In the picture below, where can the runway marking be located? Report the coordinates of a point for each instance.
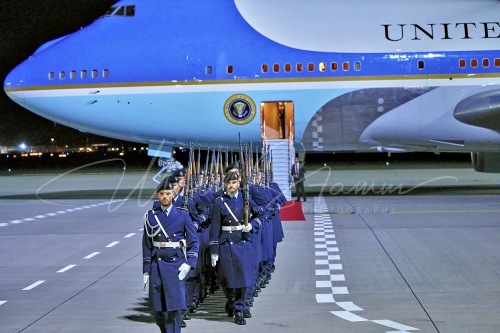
(36, 284)
(3, 302)
(324, 233)
(130, 235)
(348, 316)
(112, 244)
(91, 255)
(66, 268)
(60, 212)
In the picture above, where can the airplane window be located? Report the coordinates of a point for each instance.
(310, 67)
(110, 11)
(288, 68)
(497, 62)
(208, 70)
(461, 63)
(421, 64)
(83, 74)
(473, 63)
(486, 62)
(265, 68)
(62, 75)
(276, 68)
(322, 67)
(334, 66)
(130, 11)
(72, 74)
(51, 75)
(298, 67)
(94, 73)
(120, 12)
(229, 69)
(357, 65)
(105, 73)
(345, 65)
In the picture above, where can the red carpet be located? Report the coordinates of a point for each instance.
(292, 211)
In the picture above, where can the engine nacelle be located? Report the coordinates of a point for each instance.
(486, 162)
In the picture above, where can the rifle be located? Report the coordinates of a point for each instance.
(197, 171)
(244, 187)
(205, 171)
(188, 182)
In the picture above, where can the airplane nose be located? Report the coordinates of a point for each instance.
(14, 84)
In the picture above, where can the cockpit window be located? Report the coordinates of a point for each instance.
(121, 11)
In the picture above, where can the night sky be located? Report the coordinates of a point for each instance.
(24, 26)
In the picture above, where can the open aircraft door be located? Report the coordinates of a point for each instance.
(277, 120)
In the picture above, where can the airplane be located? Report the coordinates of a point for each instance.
(328, 75)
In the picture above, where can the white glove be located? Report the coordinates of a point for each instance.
(246, 228)
(183, 270)
(146, 281)
(215, 258)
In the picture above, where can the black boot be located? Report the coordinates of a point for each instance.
(247, 314)
(186, 315)
(229, 309)
(238, 318)
(183, 324)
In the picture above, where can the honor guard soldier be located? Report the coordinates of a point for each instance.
(231, 248)
(169, 250)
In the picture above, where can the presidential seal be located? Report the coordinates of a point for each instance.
(239, 109)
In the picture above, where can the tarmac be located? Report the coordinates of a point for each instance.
(421, 258)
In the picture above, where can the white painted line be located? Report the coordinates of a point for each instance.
(66, 268)
(94, 205)
(130, 235)
(322, 262)
(320, 239)
(78, 208)
(320, 246)
(324, 298)
(70, 210)
(86, 207)
(348, 316)
(319, 233)
(40, 216)
(2, 302)
(349, 306)
(331, 242)
(392, 324)
(28, 219)
(34, 285)
(61, 212)
(16, 221)
(112, 244)
(334, 257)
(335, 266)
(141, 230)
(329, 236)
(323, 284)
(340, 291)
(3, 224)
(91, 255)
(51, 214)
(322, 272)
(333, 249)
(320, 253)
(337, 277)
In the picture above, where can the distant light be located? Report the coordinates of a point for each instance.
(22, 146)
(386, 163)
(324, 164)
(10, 170)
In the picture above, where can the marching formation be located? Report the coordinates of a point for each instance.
(211, 228)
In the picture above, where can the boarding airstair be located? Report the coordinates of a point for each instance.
(283, 153)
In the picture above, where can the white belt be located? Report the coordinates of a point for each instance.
(167, 244)
(232, 228)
